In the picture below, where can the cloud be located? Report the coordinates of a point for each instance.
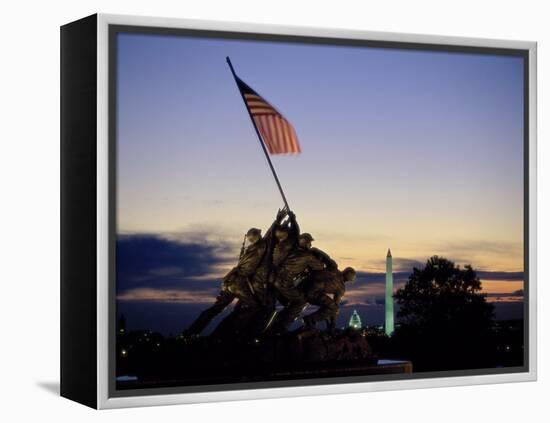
(499, 276)
(180, 296)
(485, 246)
(154, 261)
(405, 265)
(518, 293)
(167, 271)
(502, 299)
(379, 277)
(511, 297)
(365, 301)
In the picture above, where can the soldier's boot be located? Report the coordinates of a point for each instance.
(223, 299)
(291, 312)
(293, 301)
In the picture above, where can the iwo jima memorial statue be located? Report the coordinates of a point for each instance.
(278, 275)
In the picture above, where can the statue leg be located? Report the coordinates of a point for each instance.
(265, 295)
(331, 322)
(238, 325)
(223, 299)
(294, 304)
(327, 310)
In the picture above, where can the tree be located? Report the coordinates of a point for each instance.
(445, 321)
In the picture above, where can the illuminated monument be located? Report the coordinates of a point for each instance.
(355, 320)
(389, 326)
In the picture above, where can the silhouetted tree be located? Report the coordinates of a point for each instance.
(445, 320)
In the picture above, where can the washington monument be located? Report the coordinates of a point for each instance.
(388, 327)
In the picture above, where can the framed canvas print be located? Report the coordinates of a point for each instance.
(253, 211)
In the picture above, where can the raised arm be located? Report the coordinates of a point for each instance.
(294, 227)
(281, 214)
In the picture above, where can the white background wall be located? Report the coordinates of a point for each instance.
(29, 178)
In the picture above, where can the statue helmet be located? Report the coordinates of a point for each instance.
(254, 232)
(349, 270)
(306, 237)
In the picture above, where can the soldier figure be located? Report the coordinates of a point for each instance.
(289, 264)
(260, 280)
(304, 242)
(286, 239)
(236, 284)
(325, 289)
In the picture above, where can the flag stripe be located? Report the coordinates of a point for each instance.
(277, 133)
(280, 130)
(284, 136)
(272, 133)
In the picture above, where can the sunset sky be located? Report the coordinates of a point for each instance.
(418, 151)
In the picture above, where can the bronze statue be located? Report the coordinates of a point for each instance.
(280, 266)
(325, 288)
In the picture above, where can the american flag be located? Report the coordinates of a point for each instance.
(277, 133)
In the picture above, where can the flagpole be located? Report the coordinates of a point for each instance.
(258, 134)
